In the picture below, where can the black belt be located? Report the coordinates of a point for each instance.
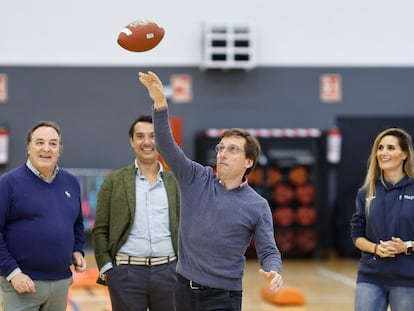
(191, 284)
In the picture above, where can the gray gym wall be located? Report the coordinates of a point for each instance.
(95, 106)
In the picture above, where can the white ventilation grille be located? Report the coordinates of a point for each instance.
(228, 45)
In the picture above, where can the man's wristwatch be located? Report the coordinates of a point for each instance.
(409, 247)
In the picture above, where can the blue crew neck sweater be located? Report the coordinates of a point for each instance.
(41, 224)
(216, 224)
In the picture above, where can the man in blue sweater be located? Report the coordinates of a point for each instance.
(41, 227)
(220, 214)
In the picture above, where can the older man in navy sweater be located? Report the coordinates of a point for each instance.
(41, 227)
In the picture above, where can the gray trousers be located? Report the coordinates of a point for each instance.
(49, 296)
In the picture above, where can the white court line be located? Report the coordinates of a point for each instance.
(337, 277)
(87, 298)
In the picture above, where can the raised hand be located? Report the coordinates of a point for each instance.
(155, 88)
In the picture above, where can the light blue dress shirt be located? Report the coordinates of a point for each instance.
(150, 235)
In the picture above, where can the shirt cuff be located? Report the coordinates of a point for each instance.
(108, 266)
(13, 274)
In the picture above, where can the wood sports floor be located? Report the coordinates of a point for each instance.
(327, 285)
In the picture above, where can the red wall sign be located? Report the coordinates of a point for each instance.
(331, 88)
(181, 88)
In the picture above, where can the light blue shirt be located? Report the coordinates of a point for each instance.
(38, 174)
(150, 235)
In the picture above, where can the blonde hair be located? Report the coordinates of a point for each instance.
(374, 173)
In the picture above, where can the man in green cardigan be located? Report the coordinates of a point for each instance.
(136, 228)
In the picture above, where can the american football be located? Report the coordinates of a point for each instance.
(140, 36)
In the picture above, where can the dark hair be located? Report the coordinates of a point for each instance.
(251, 146)
(142, 118)
(51, 124)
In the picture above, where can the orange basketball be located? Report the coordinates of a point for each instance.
(282, 194)
(305, 215)
(298, 175)
(305, 194)
(283, 216)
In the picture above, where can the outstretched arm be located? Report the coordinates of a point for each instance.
(155, 88)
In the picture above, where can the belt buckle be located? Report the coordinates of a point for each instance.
(148, 261)
(193, 286)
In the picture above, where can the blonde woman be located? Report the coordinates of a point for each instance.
(383, 226)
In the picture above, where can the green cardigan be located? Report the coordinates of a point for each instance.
(116, 209)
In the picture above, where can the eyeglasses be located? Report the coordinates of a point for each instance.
(230, 149)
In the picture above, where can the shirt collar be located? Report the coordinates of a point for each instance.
(138, 173)
(243, 183)
(38, 174)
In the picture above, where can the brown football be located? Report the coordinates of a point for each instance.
(140, 36)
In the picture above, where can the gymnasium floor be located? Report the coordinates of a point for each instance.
(326, 284)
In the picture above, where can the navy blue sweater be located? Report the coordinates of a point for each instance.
(41, 224)
(391, 215)
(216, 224)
